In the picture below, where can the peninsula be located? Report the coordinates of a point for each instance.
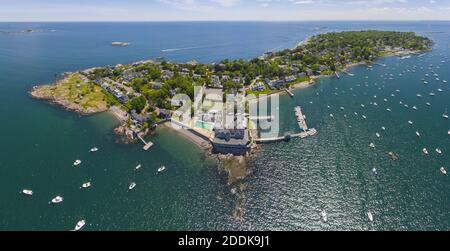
(140, 93)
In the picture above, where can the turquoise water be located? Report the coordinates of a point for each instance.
(291, 183)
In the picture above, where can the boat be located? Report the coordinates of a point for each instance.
(372, 145)
(410, 122)
(161, 169)
(77, 162)
(79, 225)
(378, 135)
(445, 115)
(444, 81)
(324, 216)
(94, 149)
(440, 90)
(364, 116)
(443, 171)
(418, 134)
(27, 192)
(374, 170)
(439, 151)
(432, 94)
(425, 151)
(57, 200)
(383, 128)
(132, 186)
(393, 156)
(331, 115)
(86, 185)
(138, 167)
(370, 216)
(415, 108)
(448, 132)
(428, 104)
(120, 44)
(389, 110)
(419, 95)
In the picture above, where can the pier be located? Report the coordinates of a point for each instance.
(348, 73)
(302, 135)
(289, 92)
(147, 145)
(337, 74)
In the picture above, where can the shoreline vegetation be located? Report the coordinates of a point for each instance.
(139, 94)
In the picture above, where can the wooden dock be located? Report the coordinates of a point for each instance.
(147, 145)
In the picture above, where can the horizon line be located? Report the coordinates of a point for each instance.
(237, 20)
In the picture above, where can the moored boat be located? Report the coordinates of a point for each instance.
(79, 225)
(77, 162)
(57, 200)
(161, 169)
(132, 186)
(27, 192)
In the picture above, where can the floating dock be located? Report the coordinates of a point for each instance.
(301, 119)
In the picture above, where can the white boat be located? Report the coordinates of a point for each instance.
(425, 151)
(432, 94)
(410, 122)
(138, 167)
(374, 170)
(419, 95)
(86, 185)
(57, 200)
(439, 151)
(94, 149)
(389, 110)
(77, 162)
(370, 216)
(324, 216)
(372, 145)
(415, 108)
(27, 192)
(364, 116)
(448, 132)
(444, 81)
(161, 169)
(383, 128)
(132, 186)
(440, 90)
(428, 104)
(418, 134)
(445, 115)
(79, 225)
(443, 171)
(331, 115)
(378, 135)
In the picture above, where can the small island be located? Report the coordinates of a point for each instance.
(140, 93)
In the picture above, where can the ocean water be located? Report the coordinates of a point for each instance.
(291, 182)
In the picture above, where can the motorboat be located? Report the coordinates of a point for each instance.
(77, 162)
(94, 149)
(443, 171)
(383, 128)
(161, 169)
(439, 151)
(27, 192)
(372, 145)
(86, 185)
(57, 200)
(378, 135)
(418, 134)
(132, 186)
(370, 216)
(410, 122)
(79, 225)
(374, 170)
(324, 216)
(138, 167)
(425, 151)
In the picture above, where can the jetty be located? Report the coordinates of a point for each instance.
(147, 145)
(301, 119)
(348, 73)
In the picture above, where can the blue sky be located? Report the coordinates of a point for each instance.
(265, 10)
